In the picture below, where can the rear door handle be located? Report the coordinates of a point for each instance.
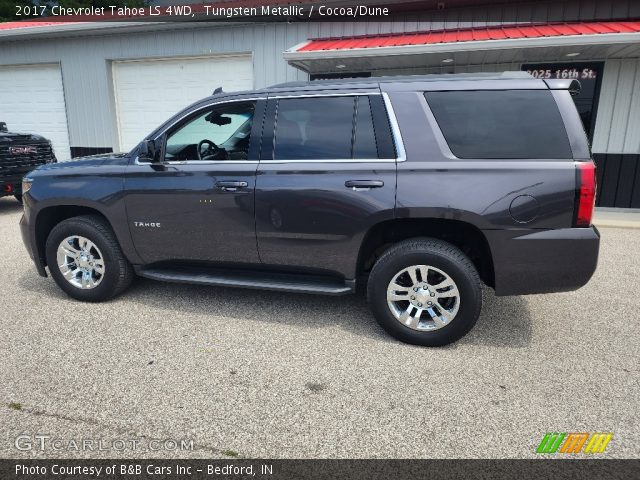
(356, 184)
(231, 185)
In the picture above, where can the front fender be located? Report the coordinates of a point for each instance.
(53, 198)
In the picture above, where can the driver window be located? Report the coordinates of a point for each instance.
(219, 133)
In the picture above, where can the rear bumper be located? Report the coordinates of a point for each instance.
(543, 261)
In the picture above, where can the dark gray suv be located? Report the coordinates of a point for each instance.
(419, 188)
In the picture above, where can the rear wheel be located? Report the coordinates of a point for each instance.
(18, 198)
(86, 261)
(425, 292)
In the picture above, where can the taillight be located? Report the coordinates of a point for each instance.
(585, 193)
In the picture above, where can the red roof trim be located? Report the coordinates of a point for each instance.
(471, 34)
(23, 24)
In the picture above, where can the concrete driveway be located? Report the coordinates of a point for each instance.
(262, 374)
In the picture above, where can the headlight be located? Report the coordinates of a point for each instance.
(26, 184)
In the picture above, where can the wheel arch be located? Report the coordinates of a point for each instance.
(48, 217)
(463, 235)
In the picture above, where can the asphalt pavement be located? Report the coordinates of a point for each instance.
(243, 373)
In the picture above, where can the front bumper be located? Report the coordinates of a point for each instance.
(543, 261)
(28, 238)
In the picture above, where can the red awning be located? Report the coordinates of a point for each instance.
(502, 32)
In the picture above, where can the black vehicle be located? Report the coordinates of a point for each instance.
(19, 154)
(420, 188)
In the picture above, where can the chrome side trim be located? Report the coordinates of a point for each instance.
(335, 160)
(199, 162)
(255, 162)
(211, 162)
(395, 129)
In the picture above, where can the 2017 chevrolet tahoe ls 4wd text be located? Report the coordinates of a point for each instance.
(419, 187)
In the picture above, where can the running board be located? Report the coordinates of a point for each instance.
(282, 282)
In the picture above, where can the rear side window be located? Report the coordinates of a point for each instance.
(500, 124)
(331, 128)
(314, 128)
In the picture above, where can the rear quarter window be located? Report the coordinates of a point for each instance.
(510, 124)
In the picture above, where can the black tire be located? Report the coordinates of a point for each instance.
(441, 255)
(18, 198)
(118, 272)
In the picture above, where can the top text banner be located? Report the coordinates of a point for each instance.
(439, 14)
(233, 11)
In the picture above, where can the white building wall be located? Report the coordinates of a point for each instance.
(86, 65)
(618, 118)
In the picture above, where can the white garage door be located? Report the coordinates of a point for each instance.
(149, 92)
(32, 101)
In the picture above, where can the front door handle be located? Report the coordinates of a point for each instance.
(358, 184)
(231, 185)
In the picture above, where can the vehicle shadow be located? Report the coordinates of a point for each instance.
(505, 322)
(9, 205)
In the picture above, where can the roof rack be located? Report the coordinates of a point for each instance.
(506, 75)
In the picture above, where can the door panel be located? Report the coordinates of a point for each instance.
(307, 217)
(198, 220)
(198, 203)
(314, 200)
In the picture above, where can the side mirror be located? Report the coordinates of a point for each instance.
(3, 127)
(147, 152)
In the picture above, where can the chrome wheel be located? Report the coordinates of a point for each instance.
(423, 297)
(81, 262)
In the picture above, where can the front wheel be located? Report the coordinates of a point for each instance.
(425, 292)
(85, 259)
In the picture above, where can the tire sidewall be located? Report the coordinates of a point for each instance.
(467, 283)
(110, 279)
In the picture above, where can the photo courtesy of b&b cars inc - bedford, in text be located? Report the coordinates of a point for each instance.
(299, 239)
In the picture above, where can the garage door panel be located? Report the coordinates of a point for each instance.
(151, 91)
(32, 101)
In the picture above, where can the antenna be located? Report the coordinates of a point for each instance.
(217, 91)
